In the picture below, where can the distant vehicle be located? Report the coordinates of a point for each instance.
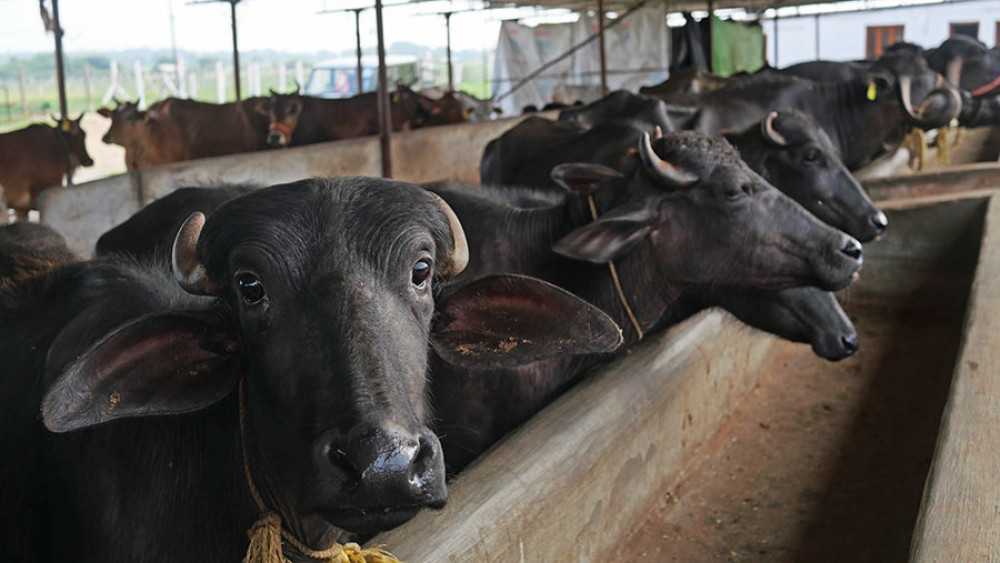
(338, 78)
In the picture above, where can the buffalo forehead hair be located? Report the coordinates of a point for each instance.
(303, 219)
(697, 151)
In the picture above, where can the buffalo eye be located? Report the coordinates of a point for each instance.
(421, 272)
(812, 156)
(250, 287)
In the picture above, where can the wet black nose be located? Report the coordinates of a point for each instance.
(387, 464)
(852, 248)
(880, 221)
(273, 139)
(850, 343)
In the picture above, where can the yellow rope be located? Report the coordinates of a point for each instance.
(266, 534)
(616, 280)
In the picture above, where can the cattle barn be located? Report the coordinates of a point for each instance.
(500, 280)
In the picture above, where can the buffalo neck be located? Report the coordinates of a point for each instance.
(518, 240)
(859, 128)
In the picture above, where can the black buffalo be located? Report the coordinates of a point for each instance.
(149, 234)
(792, 152)
(863, 117)
(967, 63)
(292, 345)
(690, 213)
(647, 111)
(29, 250)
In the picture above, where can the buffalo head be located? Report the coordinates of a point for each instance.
(324, 311)
(705, 217)
(800, 159)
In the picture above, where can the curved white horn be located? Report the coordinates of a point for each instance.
(189, 272)
(459, 257)
(770, 133)
(669, 173)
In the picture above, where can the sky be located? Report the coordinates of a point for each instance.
(283, 25)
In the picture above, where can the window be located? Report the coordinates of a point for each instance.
(996, 37)
(969, 29)
(880, 37)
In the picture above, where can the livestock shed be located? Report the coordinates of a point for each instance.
(701, 303)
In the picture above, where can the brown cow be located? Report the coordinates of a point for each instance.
(304, 120)
(174, 130)
(128, 130)
(37, 157)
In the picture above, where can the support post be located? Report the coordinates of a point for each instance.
(817, 37)
(601, 45)
(711, 19)
(777, 64)
(451, 70)
(357, 51)
(236, 48)
(384, 108)
(60, 68)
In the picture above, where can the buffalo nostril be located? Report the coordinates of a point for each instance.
(852, 248)
(880, 221)
(850, 343)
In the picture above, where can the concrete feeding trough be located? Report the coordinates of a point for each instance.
(665, 453)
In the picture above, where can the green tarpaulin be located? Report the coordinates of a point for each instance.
(736, 47)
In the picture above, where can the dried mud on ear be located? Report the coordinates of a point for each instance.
(508, 321)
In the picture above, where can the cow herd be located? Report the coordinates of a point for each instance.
(326, 353)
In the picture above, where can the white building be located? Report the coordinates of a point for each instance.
(856, 34)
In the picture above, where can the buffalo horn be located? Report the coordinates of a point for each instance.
(770, 133)
(189, 272)
(459, 257)
(667, 172)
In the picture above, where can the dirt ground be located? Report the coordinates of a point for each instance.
(822, 462)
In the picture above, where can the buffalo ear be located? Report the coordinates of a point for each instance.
(160, 364)
(582, 177)
(611, 236)
(510, 320)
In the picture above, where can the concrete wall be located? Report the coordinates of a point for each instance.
(842, 36)
(84, 212)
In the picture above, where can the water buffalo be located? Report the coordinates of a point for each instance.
(862, 117)
(647, 111)
(149, 234)
(38, 157)
(690, 213)
(787, 148)
(792, 152)
(802, 314)
(967, 63)
(295, 120)
(290, 353)
(30, 250)
(526, 153)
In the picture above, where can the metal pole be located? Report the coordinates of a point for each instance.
(60, 69)
(711, 50)
(357, 46)
(236, 48)
(817, 37)
(776, 63)
(451, 72)
(384, 109)
(604, 54)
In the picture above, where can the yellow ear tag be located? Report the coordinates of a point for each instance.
(872, 91)
(67, 126)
